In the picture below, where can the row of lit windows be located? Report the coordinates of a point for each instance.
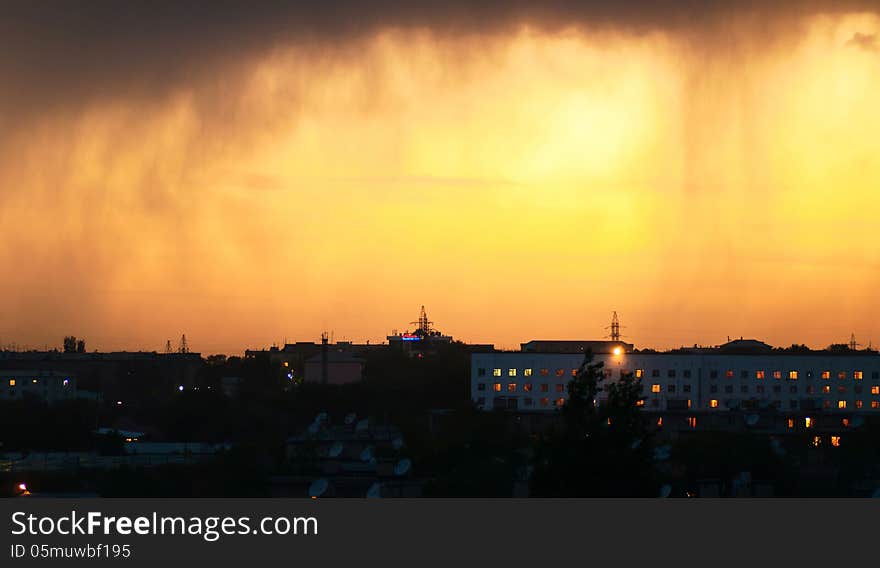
(527, 387)
(686, 373)
(826, 404)
(525, 372)
(14, 382)
(810, 389)
(791, 375)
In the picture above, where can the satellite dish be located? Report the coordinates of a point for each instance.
(403, 467)
(335, 450)
(318, 488)
(752, 419)
(665, 491)
(397, 443)
(858, 421)
(362, 425)
(375, 491)
(367, 454)
(350, 418)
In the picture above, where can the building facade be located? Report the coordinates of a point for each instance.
(702, 380)
(48, 386)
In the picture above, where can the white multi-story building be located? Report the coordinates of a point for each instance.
(741, 375)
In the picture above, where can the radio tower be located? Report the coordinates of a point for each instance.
(424, 325)
(852, 342)
(184, 348)
(615, 327)
(168, 347)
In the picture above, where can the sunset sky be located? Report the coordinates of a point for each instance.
(250, 174)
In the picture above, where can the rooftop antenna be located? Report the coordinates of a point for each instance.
(168, 348)
(424, 326)
(184, 348)
(614, 327)
(852, 342)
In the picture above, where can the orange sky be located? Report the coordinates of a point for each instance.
(521, 185)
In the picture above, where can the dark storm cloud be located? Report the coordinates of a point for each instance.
(60, 52)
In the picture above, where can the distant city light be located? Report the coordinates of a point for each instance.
(22, 487)
(66, 382)
(180, 388)
(118, 403)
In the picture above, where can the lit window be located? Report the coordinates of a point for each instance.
(560, 372)
(286, 364)
(875, 404)
(692, 421)
(511, 372)
(660, 421)
(874, 389)
(545, 372)
(560, 401)
(496, 372)
(858, 404)
(496, 387)
(777, 374)
(729, 374)
(790, 423)
(689, 403)
(527, 387)
(545, 402)
(845, 422)
(826, 375)
(857, 375)
(713, 403)
(817, 441)
(655, 388)
(560, 388)
(808, 422)
(640, 373)
(34, 381)
(574, 373)
(841, 375)
(12, 383)
(826, 389)
(527, 372)
(511, 387)
(793, 375)
(841, 404)
(640, 402)
(835, 441)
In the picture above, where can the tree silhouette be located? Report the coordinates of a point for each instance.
(601, 450)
